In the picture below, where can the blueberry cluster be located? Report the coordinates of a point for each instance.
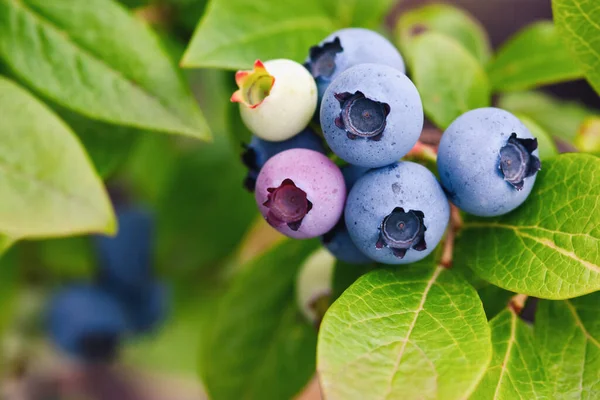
(375, 207)
(89, 321)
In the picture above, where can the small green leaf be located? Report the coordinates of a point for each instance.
(546, 145)
(534, 57)
(260, 346)
(588, 136)
(48, 185)
(577, 23)
(568, 336)
(516, 370)
(447, 20)
(559, 118)
(353, 13)
(550, 246)
(450, 80)
(234, 33)
(74, 53)
(416, 332)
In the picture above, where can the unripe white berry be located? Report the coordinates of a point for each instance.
(314, 285)
(277, 99)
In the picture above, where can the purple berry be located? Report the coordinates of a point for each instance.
(259, 151)
(301, 193)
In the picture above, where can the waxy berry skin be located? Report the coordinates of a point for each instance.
(125, 260)
(346, 48)
(337, 241)
(87, 323)
(301, 193)
(487, 162)
(259, 151)
(397, 214)
(371, 115)
(277, 99)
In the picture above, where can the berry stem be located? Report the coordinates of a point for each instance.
(448, 250)
(423, 152)
(454, 226)
(517, 303)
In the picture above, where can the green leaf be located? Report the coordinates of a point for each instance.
(353, 13)
(447, 20)
(534, 57)
(415, 332)
(568, 336)
(577, 23)
(546, 145)
(559, 118)
(48, 185)
(234, 33)
(74, 53)
(450, 80)
(269, 349)
(588, 135)
(550, 246)
(516, 370)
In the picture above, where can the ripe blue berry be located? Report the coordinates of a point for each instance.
(397, 214)
(259, 151)
(146, 307)
(125, 260)
(371, 115)
(338, 240)
(346, 48)
(487, 162)
(277, 99)
(86, 323)
(301, 193)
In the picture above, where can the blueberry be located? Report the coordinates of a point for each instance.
(277, 99)
(346, 48)
(259, 151)
(487, 162)
(146, 307)
(338, 240)
(301, 193)
(353, 173)
(86, 323)
(371, 115)
(125, 260)
(397, 214)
